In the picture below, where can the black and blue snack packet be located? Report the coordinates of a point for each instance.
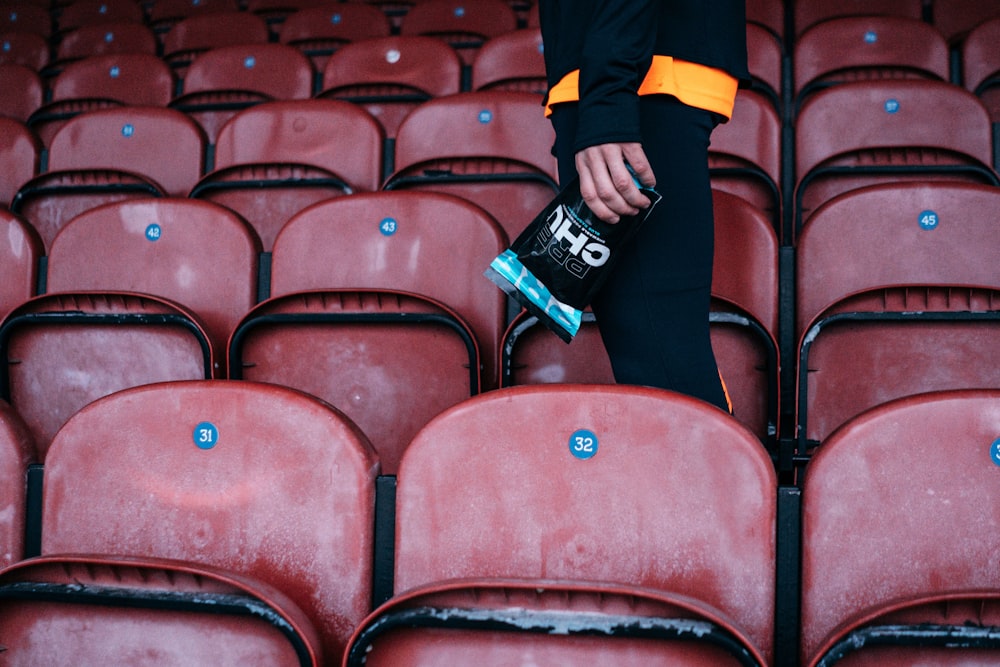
(559, 262)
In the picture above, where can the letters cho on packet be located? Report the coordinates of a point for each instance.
(559, 262)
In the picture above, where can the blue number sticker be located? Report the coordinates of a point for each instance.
(891, 106)
(485, 116)
(459, 12)
(128, 130)
(995, 451)
(583, 444)
(6, 46)
(871, 37)
(153, 232)
(249, 62)
(205, 435)
(115, 72)
(388, 226)
(109, 37)
(335, 19)
(928, 220)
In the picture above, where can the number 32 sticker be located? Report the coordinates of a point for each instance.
(583, 444)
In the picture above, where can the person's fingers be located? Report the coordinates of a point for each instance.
(606, 184)
(637, 159)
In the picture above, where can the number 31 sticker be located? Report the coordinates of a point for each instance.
(583, 444)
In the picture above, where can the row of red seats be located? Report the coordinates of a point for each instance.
(567, 524)
(369, 299)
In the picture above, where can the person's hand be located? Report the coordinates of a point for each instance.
(606, 184)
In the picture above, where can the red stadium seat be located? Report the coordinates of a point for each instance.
(912, 484)
(102, 38)
(492, 148)
(24, 92)
(103, 81)
(20, 250)
(99, 610)
(17, 451)
(599, 486)
(79, 13)
(224, 80)
(765, 59)
(364, 251)
(254, 479)
(25, 17)
(464, 25)
(165, 14)
(275, 159)
(897, 295)
(200, 32)
(20, 155)
(24, 48)
(861, 48)
(768, 14)
(320, 31)
(109, 155)
(866, 132)
(955, 18)
(744, 157)
(981, 66)
(391, 76)
(511, 61)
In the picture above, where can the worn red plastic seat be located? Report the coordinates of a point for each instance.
(956, 18)
(490, 147)
(511, 61)
(99, 610)
(744, 157)
(857, 48)
(391, 76)
(20, 251)
(380, 308)
(274, 159)
(589, 489)
(27, 18)
(912, 484)
(103, 38)
(20, 157)
(110, 155)
(258, 480)
(226, 79)
(101, 81)
(25, 91)
(898, 294)
(24, 48)
(78, 13)
(195, 34)
(981, 66)
(17, 452)
(866, 132)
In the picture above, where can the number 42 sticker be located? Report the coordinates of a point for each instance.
(583, 444)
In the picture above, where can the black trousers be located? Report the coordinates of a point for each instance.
(653, 310)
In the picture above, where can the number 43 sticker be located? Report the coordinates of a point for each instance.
(583, 444)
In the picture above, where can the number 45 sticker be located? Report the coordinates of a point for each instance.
(583, 444)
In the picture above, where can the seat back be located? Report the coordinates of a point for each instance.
(26, 17)
(111, 154)
(592, 483)
(744, 156)
(78, 13)
(255, 479)
(429, 244)
(17, 451)
(102, 39)
(25, 91)
(225, 79)
(511, 61)
(981, 66)
(868, 47)
(20, 156)
(956, 18)
(866, 132)
(360, 351)
(24, 48)
(896, 286)
(390, 76)
(198, 33)
(274, 159)
(97, 609)
(926, 537)
(491, 147)
(20, 251)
